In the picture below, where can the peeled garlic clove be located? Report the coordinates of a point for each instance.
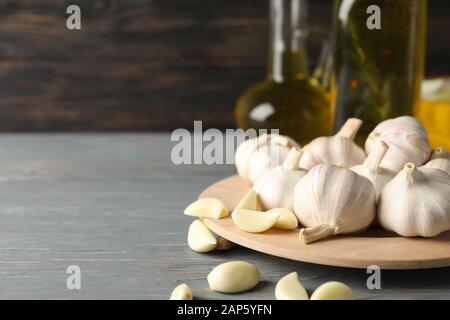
(200, 239)
(182, 292)
(407, 140)
(275, 188)
(290, 288)
(250, 201)
(372, 169)
(333, 290)
(416, 202)
(233, 277)
(254, 221)
(330, 200)
(224, 244)
(207, 208)
(439, 163)
(440, 153)
(339, 149)
(287, 219)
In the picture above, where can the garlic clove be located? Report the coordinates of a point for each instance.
(275, 188)
(439, 163)
(182, 292)
(407, 140)
(207, 208)
(339, 149)
(416, 202)
(333, 290)
(290, 288)
(372, 169)
(233, 277)
(254, 221)
(287, 219)
(250, 201)
(200, 239)
(330, 200)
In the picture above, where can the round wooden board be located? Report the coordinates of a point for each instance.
(374, 247)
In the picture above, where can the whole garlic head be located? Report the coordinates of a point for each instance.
(407, 140)
(439, 163)
(339, 149)
(440, 153)
(330, 200)
(275, 188)
(416, 202)
(258, 155)
(372, 169)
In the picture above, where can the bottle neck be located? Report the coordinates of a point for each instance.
(287, 55)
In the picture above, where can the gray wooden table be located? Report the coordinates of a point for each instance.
(112, 205)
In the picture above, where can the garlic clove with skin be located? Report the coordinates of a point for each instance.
(255, 156)
(330, 200)
(416, 202)
(275, 188)
(372, 169)
(339, 149)
(407, 140)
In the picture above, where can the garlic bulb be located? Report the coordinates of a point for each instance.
(407, 140)
(330, 200)
(416, 202)
(339, 149)
(439, 163)
(258, 155)
(275, 188)
(440, 153)
(372, 170)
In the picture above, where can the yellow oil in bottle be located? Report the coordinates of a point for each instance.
(434, 111)
(288, 100)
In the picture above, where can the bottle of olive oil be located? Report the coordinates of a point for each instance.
(288, 100)
(379, 51)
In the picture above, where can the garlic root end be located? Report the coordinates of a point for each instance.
(309, 235)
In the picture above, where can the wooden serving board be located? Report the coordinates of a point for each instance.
(373, 247)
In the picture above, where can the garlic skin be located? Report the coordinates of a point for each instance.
(372, 169)
(339, 149)
(330, 200)
(416, 202)
(275, 188)
(407, 140)
(256, 156)
(439, 163)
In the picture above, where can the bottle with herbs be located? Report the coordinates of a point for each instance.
(289, 99)
(378, 71)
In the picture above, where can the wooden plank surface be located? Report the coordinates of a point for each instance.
(112, 205)
(145, 64)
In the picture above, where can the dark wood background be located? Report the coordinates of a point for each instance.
(145, 65)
